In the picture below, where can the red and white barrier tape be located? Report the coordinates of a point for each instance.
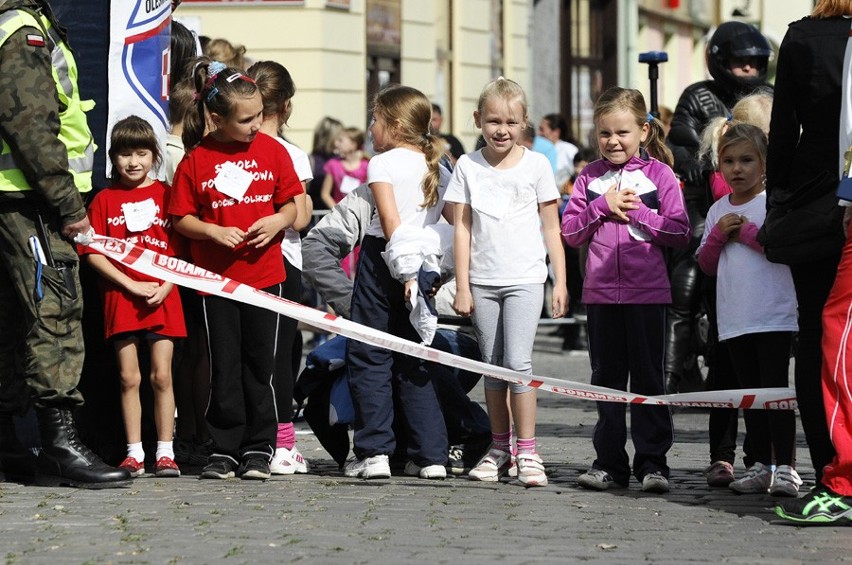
(180, 272)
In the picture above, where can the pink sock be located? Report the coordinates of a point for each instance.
(526, 445)
(501, 441)
(286, 436)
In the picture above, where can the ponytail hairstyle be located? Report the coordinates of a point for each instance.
(618, 99)
(216, 89)
(745, 134)
(408, 115)
(708, 149)
(276, 88)
(129, 134)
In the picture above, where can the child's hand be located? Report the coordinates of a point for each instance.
(263, 230)
(228, 236)
(142, 289)
(730, 225)
(559, 301)
(620, 201)
(463, 303)
(160, 294)
(410, 286)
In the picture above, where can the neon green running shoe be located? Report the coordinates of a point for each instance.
(820, 507)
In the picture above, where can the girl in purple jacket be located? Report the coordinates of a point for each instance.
(628, 208)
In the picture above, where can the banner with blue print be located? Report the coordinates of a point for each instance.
(139, 54)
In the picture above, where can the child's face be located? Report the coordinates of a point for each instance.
(133, 166)
(742, 168)
(343, 145)
(619, 136)
(381, 134)
(548, 132)
(243, 123)
(502, 122)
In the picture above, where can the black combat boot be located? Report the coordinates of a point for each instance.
(17, 463)
(65, 460)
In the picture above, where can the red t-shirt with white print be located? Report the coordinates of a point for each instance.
(273, 183)
(124, 312)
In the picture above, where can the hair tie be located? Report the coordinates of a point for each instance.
(196, 96)
(730, 117)
(216, 67)
(649, 118)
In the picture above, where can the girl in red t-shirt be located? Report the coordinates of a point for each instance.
(137, 306)
(233, 198)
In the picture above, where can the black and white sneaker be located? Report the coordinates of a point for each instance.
(255, 469)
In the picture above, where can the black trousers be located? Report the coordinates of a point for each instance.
(762, 360)
(288, 356)
(627, 342)
(813, 282)
(241, 413)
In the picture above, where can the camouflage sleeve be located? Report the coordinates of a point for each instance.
(29, 123)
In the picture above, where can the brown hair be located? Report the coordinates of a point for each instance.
(617, 99)
(324, 134)
(408, 115)
(276, 87)
(223, 50)
(216, 92)
(356, 135)
(832, 8)
(129, 134)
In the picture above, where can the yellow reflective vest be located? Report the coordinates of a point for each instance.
(74, 131)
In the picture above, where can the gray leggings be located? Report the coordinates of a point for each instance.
(506, 321)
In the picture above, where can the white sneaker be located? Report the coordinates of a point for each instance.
(375, 467)
(785, 482)
(491, 467)
(412, 469)
(287, 462)
(531, 470)
(756, 480)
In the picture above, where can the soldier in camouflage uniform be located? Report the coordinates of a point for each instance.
(41, 338)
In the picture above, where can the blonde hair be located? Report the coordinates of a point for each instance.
(755, 109)
(745, 134)
(832, 8)
(506, 89)
(408, 115)
(618, 99)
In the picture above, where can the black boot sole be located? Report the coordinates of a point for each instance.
(54, 481)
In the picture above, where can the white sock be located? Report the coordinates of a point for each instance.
(135, 450)
(165, 449)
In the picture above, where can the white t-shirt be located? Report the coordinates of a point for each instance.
(565, 153)
(291, 245)
(506, 246)
(404, 169)
(752, 294)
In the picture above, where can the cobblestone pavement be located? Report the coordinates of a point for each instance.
(324, 517)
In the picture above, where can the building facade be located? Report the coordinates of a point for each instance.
(563, 52)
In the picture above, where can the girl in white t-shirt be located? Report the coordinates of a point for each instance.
(405, 181)
(755, 307)
(277, 89)
(505, 218)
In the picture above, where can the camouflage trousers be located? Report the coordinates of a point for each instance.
(41, 336)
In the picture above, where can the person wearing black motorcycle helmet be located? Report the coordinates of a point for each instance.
(737, 57)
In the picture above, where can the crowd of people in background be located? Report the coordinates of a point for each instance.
(661, 230)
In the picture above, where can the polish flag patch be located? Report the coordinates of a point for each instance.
(36, 40)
